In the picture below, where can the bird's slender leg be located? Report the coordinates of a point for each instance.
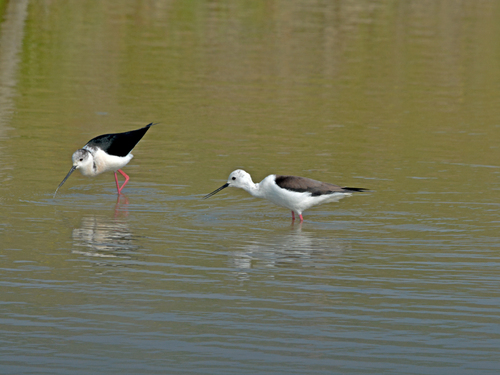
(125, 183)
(293, 216)
(301, 218)
(117, 184)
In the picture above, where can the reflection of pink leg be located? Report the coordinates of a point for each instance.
(121, 207)
(125, 183)
(293, 216)
(120, 198)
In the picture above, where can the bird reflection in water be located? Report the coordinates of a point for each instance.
(121, 206)
(290, 249)
(105, 237)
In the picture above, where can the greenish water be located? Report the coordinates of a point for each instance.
(397, 97)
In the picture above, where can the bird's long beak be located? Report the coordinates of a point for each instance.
(215, 191)
(65, 178)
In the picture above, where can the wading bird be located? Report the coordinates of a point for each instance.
(295, 193)
(107, 152)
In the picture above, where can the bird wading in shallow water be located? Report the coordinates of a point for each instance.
(107, 152)
(295, 193)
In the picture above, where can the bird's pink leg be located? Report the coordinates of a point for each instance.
(117, 184)
(125, 183)
(293, 216)
(301, 218)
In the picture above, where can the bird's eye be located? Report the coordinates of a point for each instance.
(234, 178)
(81, 159)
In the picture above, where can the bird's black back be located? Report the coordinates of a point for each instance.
(119, 144)
(316, 188)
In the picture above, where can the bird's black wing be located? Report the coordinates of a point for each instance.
(316, 188)
(119, 144)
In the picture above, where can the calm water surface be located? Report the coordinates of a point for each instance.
(398, 97)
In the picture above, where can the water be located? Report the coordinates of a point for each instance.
(400, 98)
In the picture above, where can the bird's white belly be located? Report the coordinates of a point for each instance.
(103, 163)
(300, 202)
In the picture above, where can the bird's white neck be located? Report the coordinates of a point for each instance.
(253, 189)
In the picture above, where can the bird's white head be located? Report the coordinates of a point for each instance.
(240, 179)
(83, 159)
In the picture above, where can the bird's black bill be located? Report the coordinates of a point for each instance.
(65, 178)
(216, 191)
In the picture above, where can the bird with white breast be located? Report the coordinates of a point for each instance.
(295, 193)
(107, 152)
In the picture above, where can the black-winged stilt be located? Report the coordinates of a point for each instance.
(295, 193)
(107, 152)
